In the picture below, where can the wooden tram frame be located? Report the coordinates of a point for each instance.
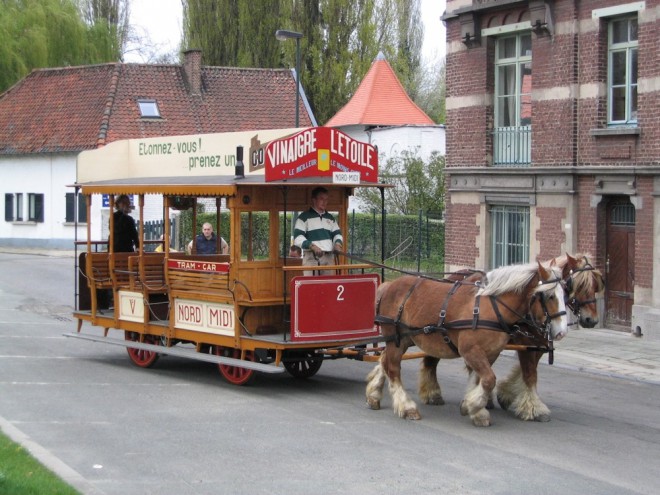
(257, 298)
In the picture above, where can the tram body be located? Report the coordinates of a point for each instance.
(252, 309)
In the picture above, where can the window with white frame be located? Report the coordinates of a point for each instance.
(71, 205)
(513, 100)
(509, 234)
(622, 71)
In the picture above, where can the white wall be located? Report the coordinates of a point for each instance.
(393, 140)
(50, 175)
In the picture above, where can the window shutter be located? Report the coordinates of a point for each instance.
(9, 207)
(69, 214)
(82, 208)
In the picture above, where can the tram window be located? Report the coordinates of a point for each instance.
(255, 235)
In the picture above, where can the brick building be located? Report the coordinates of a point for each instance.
(553, 142)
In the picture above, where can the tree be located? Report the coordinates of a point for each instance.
(49, 33)
(418, 185)
(341, 38)
(432, 89)
(109, 21)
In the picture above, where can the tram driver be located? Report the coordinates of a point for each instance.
(317, 233)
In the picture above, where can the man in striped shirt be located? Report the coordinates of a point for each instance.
(317, 234)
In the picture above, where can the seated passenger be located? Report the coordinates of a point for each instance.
(207, 241)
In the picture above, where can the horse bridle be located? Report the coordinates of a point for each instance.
(573, 302)
(546, 312)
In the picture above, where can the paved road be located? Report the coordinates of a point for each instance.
(111, 428)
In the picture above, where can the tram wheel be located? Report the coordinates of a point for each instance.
(142, 358)
(234, 374)
(303, 364)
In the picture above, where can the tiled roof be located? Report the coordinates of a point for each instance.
(78, 108)
(380, 100)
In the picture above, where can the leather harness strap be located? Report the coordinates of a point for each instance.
(443, 326)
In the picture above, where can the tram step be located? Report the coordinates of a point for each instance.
(179, 352)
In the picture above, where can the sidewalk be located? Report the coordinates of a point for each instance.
(610, 353)
(599, 351)
(58, 253)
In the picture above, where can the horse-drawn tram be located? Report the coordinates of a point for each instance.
(253, 308)
(238, 300)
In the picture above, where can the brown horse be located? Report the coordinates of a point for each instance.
(518, 390)
(446, 320)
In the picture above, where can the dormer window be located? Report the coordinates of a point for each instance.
(149, 109)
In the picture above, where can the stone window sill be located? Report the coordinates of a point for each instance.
(616, 131)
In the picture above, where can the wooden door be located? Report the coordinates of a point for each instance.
(620, 262)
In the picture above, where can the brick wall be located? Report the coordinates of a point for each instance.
(460, 246)
(644, 234)
(551, 233)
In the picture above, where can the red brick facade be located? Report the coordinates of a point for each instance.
(579, 166)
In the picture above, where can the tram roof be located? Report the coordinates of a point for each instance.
(204, 164)
(218, 185)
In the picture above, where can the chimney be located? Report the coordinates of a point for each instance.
(192, 69)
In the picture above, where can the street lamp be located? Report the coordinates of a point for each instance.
(283, 35)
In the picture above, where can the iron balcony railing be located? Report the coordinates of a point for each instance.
(512, 146)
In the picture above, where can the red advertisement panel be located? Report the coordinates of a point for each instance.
(333, 307)
(319, 152)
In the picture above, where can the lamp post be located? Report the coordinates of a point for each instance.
(283, 35)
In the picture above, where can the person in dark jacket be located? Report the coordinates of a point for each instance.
(126, 237)
(207, 241)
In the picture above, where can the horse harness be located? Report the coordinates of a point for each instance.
(443, 326)
(573, 302)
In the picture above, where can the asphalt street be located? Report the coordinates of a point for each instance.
(108, 427)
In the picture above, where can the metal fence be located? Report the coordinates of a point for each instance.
(155, 228)
(412, 242)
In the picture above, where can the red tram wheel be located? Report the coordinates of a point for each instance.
(234, 374)
(142, 358)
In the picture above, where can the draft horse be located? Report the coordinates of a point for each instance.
(448, 320)
(518, 391)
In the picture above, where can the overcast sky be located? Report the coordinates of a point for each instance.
(164, 28)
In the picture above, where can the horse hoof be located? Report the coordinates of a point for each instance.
(373, 404)
(435, 401)
(504, 404)
(464, 410)
(489, 404)
(412, 415)
(542, 418)
(482, 418)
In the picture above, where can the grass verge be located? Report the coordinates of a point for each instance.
(22, 474)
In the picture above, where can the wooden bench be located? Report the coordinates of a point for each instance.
(97, 270)
(199, 277)
(147, 273)
(105, 273)
(119, 271)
